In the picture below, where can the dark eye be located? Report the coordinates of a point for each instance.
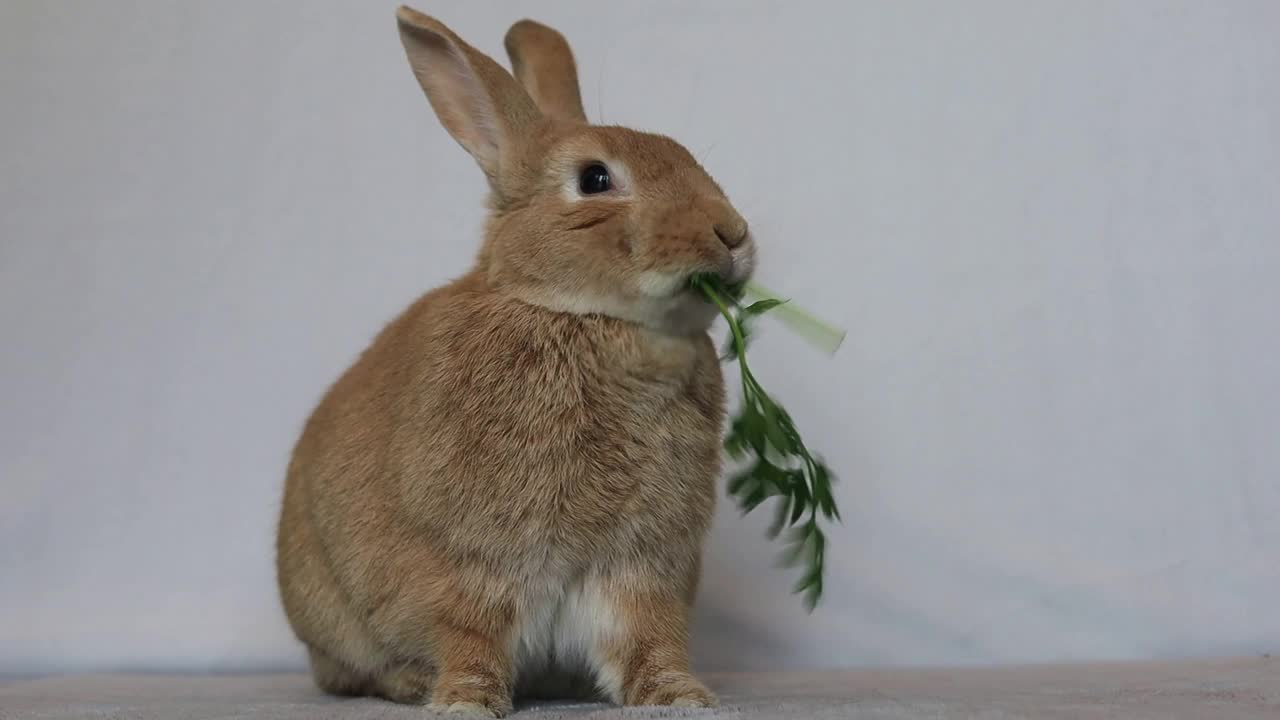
(594, 179)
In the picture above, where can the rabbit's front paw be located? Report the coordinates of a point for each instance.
(468, 709)
(678, 690)
(465, 699)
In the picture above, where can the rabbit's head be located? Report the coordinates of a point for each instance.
(585, 219)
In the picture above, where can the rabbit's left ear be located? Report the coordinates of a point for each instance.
(543, 63)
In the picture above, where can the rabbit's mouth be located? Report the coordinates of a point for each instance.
(738, 270)
(742, 262)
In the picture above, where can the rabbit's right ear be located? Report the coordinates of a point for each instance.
(543, 63)
(477, 101)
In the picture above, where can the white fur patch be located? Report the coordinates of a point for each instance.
(660, 284)
(744, 261)
(569, 628)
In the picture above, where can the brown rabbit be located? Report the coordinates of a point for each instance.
(512, 485)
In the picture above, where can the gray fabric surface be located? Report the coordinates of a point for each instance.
(1221, 690)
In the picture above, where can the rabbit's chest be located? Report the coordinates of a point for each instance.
(564, 449)
(632, 446)
(634, 437)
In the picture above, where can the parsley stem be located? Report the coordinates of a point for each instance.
(823, 335)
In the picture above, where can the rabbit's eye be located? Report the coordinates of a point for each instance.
(594, 179)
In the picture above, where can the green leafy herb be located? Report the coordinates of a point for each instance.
(762, 437)
(818, 333)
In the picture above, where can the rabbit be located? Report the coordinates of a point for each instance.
(508, 492)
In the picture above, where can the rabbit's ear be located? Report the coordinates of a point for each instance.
(543, 63)
(477, 101)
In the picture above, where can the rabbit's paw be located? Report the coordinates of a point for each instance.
(468, 709)
(678, 690)
(470, 701)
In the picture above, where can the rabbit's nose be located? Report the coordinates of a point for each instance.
(731, 234)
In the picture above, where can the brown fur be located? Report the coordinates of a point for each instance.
(542, 62)
(511, 487)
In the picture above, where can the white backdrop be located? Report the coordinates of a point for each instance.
(1052, 229)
